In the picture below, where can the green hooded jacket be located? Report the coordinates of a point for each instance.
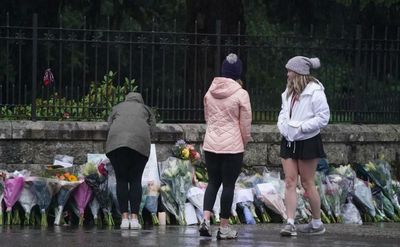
(130, 125)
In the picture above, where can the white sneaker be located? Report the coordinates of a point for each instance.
(135, 225)
(124, 224)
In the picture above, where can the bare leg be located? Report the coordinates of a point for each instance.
(290, 168)
(307, 170)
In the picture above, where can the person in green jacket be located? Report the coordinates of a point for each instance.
(128, 148)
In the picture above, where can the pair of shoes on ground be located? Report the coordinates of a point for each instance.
(222, 234)
(290, 230)
(132, 224)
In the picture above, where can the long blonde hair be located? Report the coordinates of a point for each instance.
(298, 84)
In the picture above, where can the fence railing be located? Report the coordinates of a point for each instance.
(173, 70)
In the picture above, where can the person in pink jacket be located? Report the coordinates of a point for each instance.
(227, 112)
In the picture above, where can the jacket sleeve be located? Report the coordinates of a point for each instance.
(151, 120)
(245, 117)
(111, 118)
(321, 111)
(282, 118)
(205, 108)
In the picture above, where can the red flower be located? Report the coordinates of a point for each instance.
(102, 169)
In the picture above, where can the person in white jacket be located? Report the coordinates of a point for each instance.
(304, 112)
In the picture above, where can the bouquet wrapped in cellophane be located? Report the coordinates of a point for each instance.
(82, 195)
(44, 189)
(269, 194)
(362, 198)
(94, 209)
(103, 196)
(177, 174)
(67, 186)
(152, 192)
(379, 173)
(12, 191)
(28, 201)
(96, 176)
(327, 215)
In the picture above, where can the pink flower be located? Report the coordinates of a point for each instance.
(190, 147)
(197, 156)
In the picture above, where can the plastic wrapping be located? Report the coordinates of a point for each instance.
(82, 195)
(28, 201)
(178, 175)
(351, 215)
(44, 189)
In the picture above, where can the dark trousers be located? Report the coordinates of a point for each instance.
(128, 166)
(225, 169)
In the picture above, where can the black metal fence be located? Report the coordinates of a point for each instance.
(173, 70)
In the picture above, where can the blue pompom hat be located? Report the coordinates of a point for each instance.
(231, 67)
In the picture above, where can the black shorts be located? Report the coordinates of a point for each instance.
(303, 150)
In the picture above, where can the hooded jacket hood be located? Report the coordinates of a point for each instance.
(222, 87)
(134, 96)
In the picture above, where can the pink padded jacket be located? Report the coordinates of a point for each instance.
(227, 112)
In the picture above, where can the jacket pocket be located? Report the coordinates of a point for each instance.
(294, 130)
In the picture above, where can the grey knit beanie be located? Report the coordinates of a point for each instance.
(301, 65)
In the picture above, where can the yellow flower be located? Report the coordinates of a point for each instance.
(72, 178)
(185, 153)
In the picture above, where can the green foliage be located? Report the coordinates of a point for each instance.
(96, 104)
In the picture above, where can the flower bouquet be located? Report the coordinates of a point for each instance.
(151, 203)
(141, 205)
(244, 200)
(67, 186)
(12, 191)
(185, 151)
(178, 175)
(259, 205)
(332, 193)
(82, 195)
(195, 195)
(168, 201)
(94, 209)
(362, 198)
(327, 216)
(96, 178)
(383, 204)
(269, 195)
(247, 215)
(28, 201)
(350, 213)
(303, 215)
(44, 189)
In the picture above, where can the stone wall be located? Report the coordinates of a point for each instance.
(33, 144)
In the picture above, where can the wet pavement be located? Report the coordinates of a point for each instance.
(378, 234)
